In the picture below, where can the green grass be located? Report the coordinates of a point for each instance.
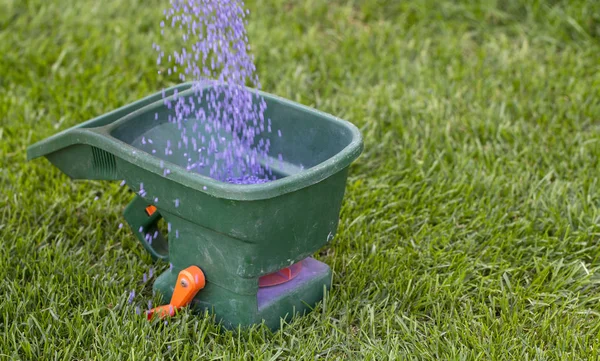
(471, 222)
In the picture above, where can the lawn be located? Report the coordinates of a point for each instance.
(470, 225)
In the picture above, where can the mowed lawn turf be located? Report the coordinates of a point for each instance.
(470, 227)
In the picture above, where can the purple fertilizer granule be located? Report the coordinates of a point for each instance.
(120, 225)
(122, 183)
(247, 180)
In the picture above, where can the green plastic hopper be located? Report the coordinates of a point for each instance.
(235, 233)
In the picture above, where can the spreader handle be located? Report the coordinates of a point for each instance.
(143, 219)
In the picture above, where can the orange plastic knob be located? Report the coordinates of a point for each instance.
(189, 282)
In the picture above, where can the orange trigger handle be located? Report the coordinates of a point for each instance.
(189, 282)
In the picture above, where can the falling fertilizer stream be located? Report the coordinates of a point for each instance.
(220, 124)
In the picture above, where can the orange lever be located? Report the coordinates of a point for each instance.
(189, 282)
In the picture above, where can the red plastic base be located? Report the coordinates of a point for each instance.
(281, 276)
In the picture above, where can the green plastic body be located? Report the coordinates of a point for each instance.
(234, 233)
